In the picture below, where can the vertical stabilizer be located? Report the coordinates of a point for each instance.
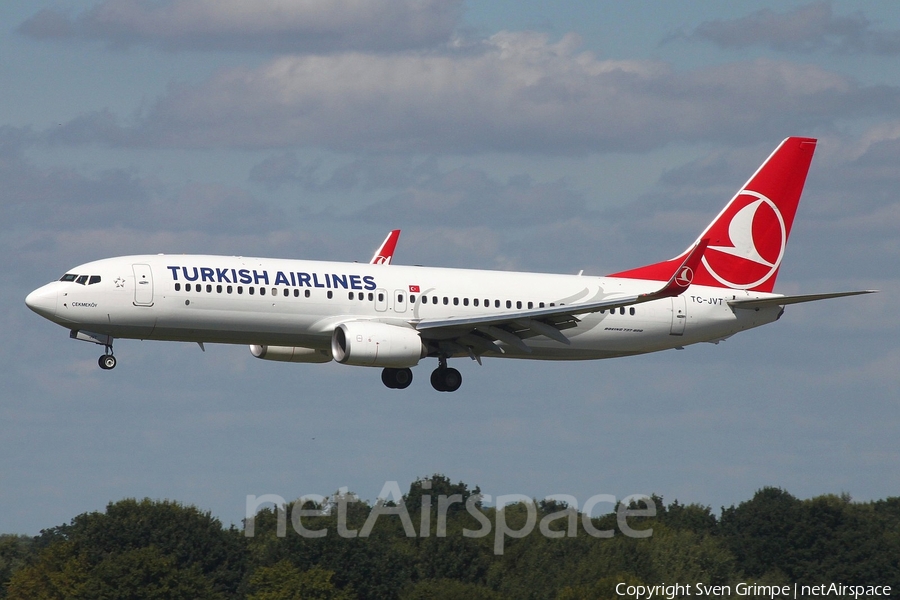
(748, 238)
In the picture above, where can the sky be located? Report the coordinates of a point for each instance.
(506, 135)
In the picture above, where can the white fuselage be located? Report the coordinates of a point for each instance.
(279, 302)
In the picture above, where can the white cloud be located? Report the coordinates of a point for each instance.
(515, 92)
(806, 28)
(262, 25)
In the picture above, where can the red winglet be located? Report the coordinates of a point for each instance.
(385, 253)
(683, 276)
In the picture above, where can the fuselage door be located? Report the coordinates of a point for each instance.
(400, 301)
(381, 300)
(143, 285)
(679, 315)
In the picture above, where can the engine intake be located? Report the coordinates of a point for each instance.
(296, 354)
(372, 344)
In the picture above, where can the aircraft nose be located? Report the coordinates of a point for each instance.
(43, 300)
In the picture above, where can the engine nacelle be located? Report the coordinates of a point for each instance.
(295, 354)
(372, 344)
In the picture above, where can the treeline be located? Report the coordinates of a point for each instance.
(441, 542)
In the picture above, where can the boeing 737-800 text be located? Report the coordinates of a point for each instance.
(393, 317)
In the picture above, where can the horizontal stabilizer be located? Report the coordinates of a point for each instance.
(784, 300)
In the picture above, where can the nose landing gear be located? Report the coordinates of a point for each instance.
(107, 361)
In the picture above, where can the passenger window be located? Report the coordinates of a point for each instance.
(496, 304)
(68, 277)
(240, 289)
(352, 295)
(82, 279)
(446, 300)
(94, 279)
(412, 299)
(456, 302)
(509, 304)
(229, 289)
(475, 301)
(540, 305)
(274, 292)
(296, 293)
(380, 297)
(424, 299)
(465, 301)
(208, 287)
(400, 298)
(330, 294)
(371, 296)
(187, 287)
(262, 291)
(621, 310)
(531, 305)
(250, 290)
(518, 304)
(631, 310)
(218, 289)
(177, 287)
(306, 293)
(286, 293)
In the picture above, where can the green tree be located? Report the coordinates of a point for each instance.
(15, 550)
(284, 581)
(148, 549)
(190, 537)
(449, 589)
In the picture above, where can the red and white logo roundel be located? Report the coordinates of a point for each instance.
(746, 242)
(685, 277)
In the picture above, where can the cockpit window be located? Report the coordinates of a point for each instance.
(94, 279)
(68, 277)
(82, 279)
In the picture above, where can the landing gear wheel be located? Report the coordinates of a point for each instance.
(396, 379)
(446, 379)
(107, 362)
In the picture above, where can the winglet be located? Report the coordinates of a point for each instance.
(385, 252)
(683, 276)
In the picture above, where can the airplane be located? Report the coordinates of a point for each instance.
(391, 318)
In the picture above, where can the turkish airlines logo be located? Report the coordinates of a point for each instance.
(747, 242)
(379, 260)
(685, 277)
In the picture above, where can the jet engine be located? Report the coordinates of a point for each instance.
(373, 344)
(296, 354)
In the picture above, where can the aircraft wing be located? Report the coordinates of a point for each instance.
(481, 332)
(785, 300)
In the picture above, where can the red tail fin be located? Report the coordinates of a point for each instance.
(747, 239)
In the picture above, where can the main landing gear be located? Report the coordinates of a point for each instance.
(396, 379)
(107, 361)
(444, 378)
